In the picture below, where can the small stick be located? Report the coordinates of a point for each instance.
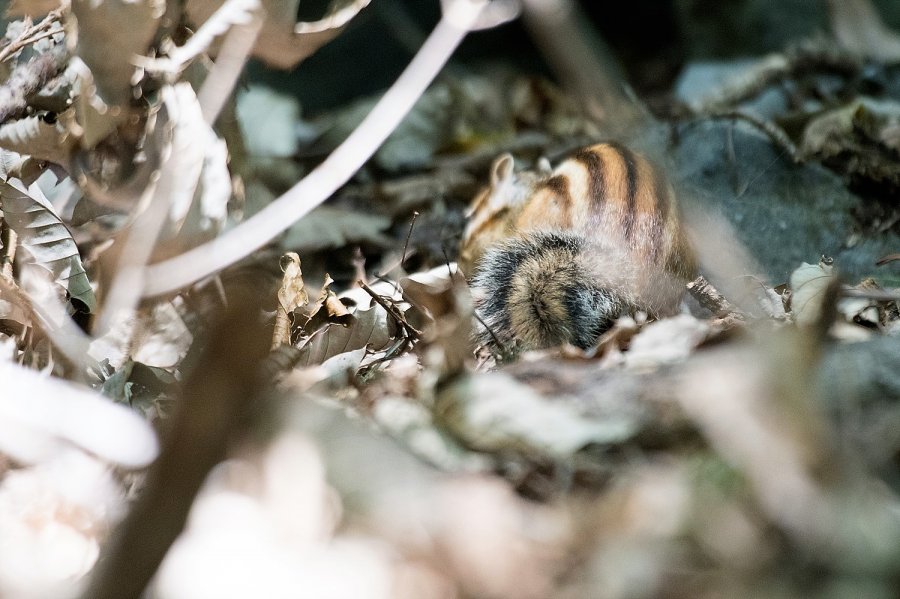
(412, 223)
(807, 56)
(391, 309)
(359, 264)
(887, 259)
(31, 35)
(8, 254)
(775, 133)
(712, 300)
(503, 350)
(880, 295)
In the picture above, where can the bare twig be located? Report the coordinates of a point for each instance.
(501, 347)
(325, 179)
(887, 259)
(809, 56)
(8, 253)
(31, 35)
(775, 133)
(703, 291)
(881, 295)
(34, 39)
(230, 61)
(412, 223)
(125, 290)
(411, 332)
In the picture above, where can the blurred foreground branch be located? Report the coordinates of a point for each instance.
(584, 65)
(212, 412)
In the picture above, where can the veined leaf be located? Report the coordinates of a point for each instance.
(39, 139)
(42, 234)
(368, 328)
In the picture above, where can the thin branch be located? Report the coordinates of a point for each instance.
(881, 295)
(230, 62)
(34, 39)
(887, 259)
(411, 331)
(125, 289)
(31, 35)
(806, 57)
(334, 171)
(215, 409)
(768, 127)
(710, 298)
(412, 223)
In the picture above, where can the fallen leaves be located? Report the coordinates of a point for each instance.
(42, 234)
(387, 449)
(861, 139)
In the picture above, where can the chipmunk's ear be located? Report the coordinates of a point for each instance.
(543, 166)
(502, 169)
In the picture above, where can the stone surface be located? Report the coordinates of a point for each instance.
(783, 213)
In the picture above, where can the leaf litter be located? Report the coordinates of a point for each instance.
(379, 440)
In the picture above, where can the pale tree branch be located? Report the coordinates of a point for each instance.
(334, 171)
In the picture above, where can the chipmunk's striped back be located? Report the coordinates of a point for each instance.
(617, 217)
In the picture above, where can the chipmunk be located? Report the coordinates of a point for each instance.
(555, 257)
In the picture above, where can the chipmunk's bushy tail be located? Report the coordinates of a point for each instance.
(543, 290)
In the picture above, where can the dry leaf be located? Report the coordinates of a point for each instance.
(156, 336)
(283, 42)
(443, 296)
(291, 295)
(39, 139)
(203, 184)
(368, 328)
(666, 341)
(41, 233)
(493, 412)
(861, 138)
(809, 284)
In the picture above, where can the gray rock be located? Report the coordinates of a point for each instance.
(783, 213)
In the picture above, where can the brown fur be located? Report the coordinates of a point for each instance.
(601, 229)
